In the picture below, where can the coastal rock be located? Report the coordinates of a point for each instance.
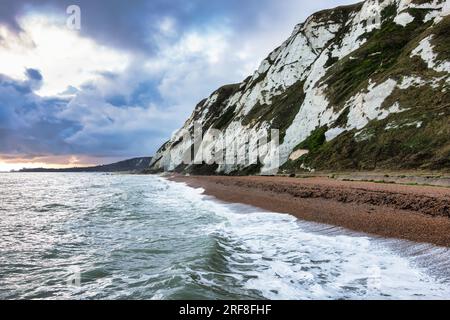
(347, 83)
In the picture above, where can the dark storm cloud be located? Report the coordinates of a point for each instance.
(9, 11)
(34, 74)
(31, 125)
(27, 121)
(130, 24)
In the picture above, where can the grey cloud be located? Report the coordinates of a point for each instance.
(131, 24)
(34, 74)
(134, 112)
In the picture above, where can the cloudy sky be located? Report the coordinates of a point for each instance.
(118, 87)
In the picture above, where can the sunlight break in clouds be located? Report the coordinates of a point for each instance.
(62, 56)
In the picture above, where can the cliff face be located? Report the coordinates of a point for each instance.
(359, 87)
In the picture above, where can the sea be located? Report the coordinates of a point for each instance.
(115, 236)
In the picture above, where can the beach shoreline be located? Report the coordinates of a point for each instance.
(415, 213)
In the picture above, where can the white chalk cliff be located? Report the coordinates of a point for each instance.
(364, 86)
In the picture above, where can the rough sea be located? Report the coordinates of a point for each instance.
(102, 236)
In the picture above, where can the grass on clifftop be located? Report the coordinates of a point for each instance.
(314, 141)
(418, 138)
(441, 41)
(376, 59)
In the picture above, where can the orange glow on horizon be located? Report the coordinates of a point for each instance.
(6, 167)
(8, 164)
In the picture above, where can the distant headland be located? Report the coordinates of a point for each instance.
(130, 165)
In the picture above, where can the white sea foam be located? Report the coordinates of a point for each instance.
(144, 237)
(284, 258)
